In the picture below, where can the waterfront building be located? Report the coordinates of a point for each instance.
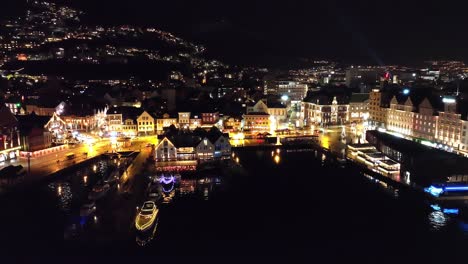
(400, 116)
(34, 135)
(165, 151)
(449, 125)
(256, 122)
(205, 149)
(58, 128)
(222, 146)
(425, 121)
(377, 113)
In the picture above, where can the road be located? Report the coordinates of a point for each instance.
(52, 163)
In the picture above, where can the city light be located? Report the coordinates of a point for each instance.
(277, 159)
(406, 91)
(447, 100)
(434, 191)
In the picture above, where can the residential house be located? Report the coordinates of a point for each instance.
(145, 124)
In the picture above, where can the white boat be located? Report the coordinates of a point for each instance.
(99, 191)
(88, 209)
(147, 216)
(154, 196)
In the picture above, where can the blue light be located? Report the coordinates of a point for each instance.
(435, 207)
(406, 91)
(450, 211)
(434, 191)
(456, 188)
(284, 97)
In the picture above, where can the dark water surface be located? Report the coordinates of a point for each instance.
(300, 206)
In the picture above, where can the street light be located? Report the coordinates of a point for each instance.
(29, 162)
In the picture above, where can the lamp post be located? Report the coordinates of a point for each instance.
(29, 162)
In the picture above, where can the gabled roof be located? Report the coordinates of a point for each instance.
(7, 119)
(258, 113)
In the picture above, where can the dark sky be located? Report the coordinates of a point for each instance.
(265, 32)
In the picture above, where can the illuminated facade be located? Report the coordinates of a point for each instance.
(58, 128)
(425, 122)
(400, 117)
(321, 112)
(164, 122)
(129, 127)
(205, 149)
(145, 123)
(165, 151)
(114, 122)
(449, 125)
(184, 120)
(377, 114)
(294, 90)
(9, 135)
(257, 122)
(359, 108)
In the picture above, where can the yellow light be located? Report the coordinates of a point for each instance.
(237, 159)
(60, 190)
(94, 168)
(277, 159)
(325, 142)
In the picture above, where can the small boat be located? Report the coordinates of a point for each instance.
(88, 209)
(99, 191)
(154, 196)
(147, 216)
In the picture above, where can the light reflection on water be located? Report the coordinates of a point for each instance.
(64, 195)
(437, 220)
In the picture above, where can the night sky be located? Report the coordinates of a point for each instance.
(268, 33)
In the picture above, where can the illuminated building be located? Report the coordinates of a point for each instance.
(9, 135)
(15, 108)
(359, 107)
(58, 128)
(400, 117)
(129, 127)
(164, 122)
(296, 91)
(322, 111)
(205, 149)
(145, 124)
(449, 124)
(210, 118)
(184, 120)
(257, 122)
(377, 114)
(425, 121)
(114, 122)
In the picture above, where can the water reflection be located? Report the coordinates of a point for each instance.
(64, 194)
(437, 220)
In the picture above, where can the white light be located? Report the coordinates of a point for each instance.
(448, 100)
(285, 97)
